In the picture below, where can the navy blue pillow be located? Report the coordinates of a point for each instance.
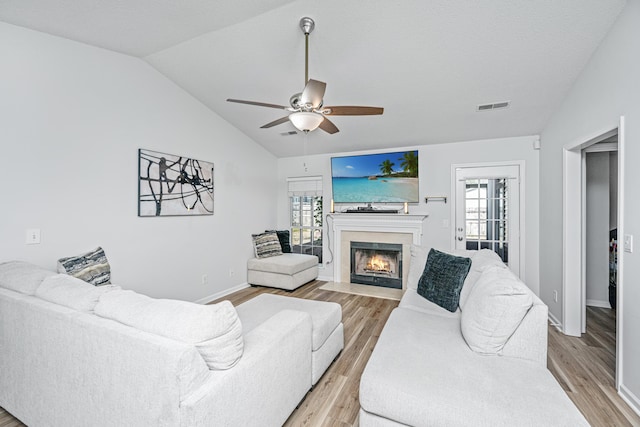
(442, 279)
(283, 237)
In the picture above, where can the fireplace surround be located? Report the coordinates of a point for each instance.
(377, 264)
(379, 228)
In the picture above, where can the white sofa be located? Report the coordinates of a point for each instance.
(431, 368)
(64, 360)
(287, 271)
(326, 318)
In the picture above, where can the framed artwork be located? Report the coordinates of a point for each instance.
(170, 185)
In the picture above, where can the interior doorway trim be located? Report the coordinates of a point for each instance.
(573, 277)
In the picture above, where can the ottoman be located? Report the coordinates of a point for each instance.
(326, 318)
(286, 271)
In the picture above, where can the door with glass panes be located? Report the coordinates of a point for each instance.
(487, 211)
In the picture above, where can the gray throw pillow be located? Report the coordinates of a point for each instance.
(92, 267)
(266, 245)
(283, 237)
(442, 279)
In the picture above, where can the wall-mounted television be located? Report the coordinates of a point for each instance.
(376, 178)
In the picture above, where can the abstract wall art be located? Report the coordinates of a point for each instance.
(170, 185)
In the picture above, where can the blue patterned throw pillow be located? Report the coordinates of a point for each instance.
(442, 279)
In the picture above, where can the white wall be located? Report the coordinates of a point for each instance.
(435, 180)
(72, 118)
(607, 89)
(597, 229)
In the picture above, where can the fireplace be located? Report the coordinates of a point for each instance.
(377, 264)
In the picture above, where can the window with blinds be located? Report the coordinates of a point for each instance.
(305, 204)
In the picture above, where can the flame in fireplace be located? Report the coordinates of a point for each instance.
(377, 263)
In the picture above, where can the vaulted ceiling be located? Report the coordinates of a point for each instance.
(429, 63)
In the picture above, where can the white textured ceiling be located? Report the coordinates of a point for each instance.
(429, 63)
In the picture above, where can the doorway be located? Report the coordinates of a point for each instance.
(601, 224)
(487, 210)
(574, 234)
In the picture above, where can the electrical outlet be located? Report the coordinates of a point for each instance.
(32, 236)
(232, 272)
(205, 279)
(555, 296)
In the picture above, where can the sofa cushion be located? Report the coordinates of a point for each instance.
(413, 301)
(92, 267)
(443, 278)
(284, 238)
(288, 264)
(495, 307)
(483, 259)
(325, 316)
(215, 330)
(68, 291)
(266, 245)
(22, 276)
(421, 372)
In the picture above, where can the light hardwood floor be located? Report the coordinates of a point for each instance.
(583, 366)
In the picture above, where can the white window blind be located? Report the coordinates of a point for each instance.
(310, 186)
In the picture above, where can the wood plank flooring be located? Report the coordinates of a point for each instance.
(583, 366)
(334, 399)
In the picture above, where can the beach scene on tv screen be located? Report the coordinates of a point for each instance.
(375, 178)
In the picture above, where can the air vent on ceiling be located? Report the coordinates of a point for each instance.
(291, 132)
(493, 106)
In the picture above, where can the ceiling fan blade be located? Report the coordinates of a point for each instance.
(275, 122)
(313, 93)
(259, 104)
(353, 111)
(328, 126)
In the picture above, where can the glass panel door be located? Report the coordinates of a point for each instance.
(486, 210)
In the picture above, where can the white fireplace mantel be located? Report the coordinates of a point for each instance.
(372, 223)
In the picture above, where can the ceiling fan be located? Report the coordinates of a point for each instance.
(307, 110)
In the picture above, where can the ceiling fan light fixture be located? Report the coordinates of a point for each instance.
(306, 121)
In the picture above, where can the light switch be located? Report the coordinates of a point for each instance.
(445, 223)
(33, 236)
(628, 243)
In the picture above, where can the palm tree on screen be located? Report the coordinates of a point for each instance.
(386, 167)
(409, 163)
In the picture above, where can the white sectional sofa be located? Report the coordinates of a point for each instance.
(76, 355)
(433, 367)
(287, 271)
(326, 317)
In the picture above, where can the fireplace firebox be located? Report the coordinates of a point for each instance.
(377, 264)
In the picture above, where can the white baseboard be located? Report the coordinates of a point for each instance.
(326, 278)
(631, 399)
(221, 294)
(555, 322)
(598, 303)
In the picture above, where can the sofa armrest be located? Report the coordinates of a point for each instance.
(271, 378)
(529, 341)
